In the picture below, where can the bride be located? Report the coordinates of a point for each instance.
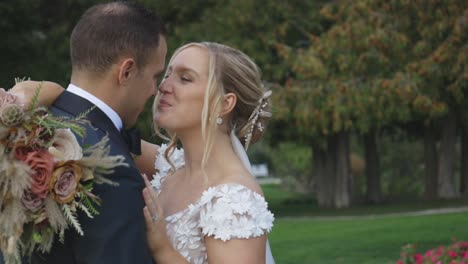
(203, 205)
(211, 100)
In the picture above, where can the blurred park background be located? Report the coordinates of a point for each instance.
(370, 115)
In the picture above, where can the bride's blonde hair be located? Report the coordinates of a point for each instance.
(229, 71)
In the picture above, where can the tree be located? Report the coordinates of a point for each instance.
(381, 64)
(341, 84)
(437, 60)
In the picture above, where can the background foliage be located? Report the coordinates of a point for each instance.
(369, 96)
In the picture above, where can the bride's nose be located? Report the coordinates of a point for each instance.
(164, 87)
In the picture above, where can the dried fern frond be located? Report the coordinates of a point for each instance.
(71, 217)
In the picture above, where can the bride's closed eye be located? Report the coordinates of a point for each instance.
(185, 78)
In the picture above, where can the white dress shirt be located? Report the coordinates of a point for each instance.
(99, 104)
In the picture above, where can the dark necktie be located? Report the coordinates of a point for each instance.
(132, 138)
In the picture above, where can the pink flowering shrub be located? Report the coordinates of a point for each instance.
(457, 253)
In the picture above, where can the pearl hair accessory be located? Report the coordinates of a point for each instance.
(259, 111)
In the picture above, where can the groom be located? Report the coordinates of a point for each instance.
(118, 51)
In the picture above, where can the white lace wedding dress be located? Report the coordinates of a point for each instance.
(227, 211)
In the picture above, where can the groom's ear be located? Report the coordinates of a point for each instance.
(127, 70)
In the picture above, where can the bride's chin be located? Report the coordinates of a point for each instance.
(159, 120)
(160, 123)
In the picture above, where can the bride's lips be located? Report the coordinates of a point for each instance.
(163, 104)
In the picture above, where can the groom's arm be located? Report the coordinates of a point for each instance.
(145, 162)
(47, 95)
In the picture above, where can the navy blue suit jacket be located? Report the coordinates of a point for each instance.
(117, 234)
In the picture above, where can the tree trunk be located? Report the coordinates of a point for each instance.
(343, 184)
(446, 176)
(330, 172)
(333, 174)
(464, 162)
(430, 163)
(373, 191)
(320, 174)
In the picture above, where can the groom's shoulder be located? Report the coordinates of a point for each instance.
(59, 112)
(92, 133)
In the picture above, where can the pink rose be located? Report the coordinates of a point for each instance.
(65, 181)
(41, 163)
(464, 255)
(21, 152)
(32, 201)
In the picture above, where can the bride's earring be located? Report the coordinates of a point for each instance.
(219, 120)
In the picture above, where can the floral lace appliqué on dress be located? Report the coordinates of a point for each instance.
(227, 211)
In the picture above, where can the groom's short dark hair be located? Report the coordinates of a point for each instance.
(108, 31)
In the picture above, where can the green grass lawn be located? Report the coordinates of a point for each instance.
(285, 203)
(362, 241)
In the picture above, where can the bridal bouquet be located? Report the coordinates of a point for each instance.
(45, 176)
